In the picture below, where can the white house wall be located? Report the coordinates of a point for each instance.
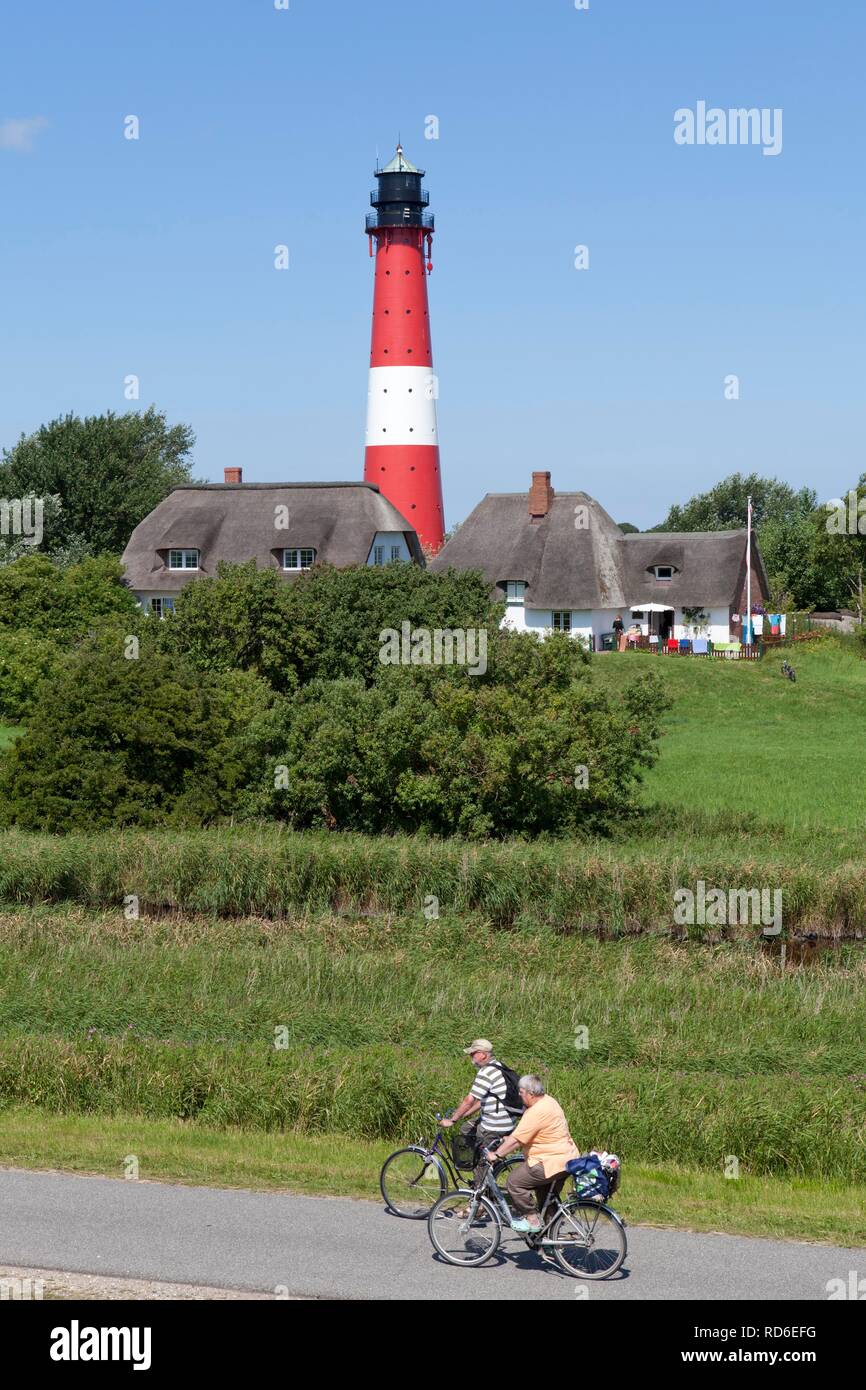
(718, 629)
(589, 624)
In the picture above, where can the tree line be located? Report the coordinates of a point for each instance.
(100, 476)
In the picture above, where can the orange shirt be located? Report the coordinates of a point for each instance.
(542, 1132)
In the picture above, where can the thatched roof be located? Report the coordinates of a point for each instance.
(710, 567)
(235, 522)
(576, 557)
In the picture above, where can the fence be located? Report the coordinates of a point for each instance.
(728, 651)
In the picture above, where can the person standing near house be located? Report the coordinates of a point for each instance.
(619, 631)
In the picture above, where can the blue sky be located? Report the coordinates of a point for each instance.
(261, 126)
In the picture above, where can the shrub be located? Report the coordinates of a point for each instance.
(25, 661)
(63, 603)
(119, 742)
(324, 624)
(436, 749)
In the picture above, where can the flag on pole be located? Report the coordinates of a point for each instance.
(747, 631)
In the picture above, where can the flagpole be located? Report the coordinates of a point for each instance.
(749, 574)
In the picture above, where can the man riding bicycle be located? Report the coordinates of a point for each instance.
(488, 1095)
(542, 1132)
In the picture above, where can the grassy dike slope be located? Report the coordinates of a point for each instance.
(156, 1037)
(166, 1029)
(742, 739)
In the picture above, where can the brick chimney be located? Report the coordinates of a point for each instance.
(235, 475)
(540, 496)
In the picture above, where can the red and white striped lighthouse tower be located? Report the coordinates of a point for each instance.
(402, 454)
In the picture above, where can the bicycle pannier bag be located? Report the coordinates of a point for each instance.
(590, 1179)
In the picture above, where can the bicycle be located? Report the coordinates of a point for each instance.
(413, 1179)
(587, 1239)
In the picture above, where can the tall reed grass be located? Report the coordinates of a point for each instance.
(775, 1125)
(571, 885)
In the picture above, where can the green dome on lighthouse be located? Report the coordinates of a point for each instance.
(399, 165)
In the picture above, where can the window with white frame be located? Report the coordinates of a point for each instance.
(663, 571)
(300, 558)
(183, 559)
(562, 622)
(395, 552)
(378, 554)
(160, 606)
(515, 590)
(638, 614)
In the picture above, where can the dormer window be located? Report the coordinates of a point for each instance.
(663, 571)
(183, 559)
(515, 590)
(301, 558)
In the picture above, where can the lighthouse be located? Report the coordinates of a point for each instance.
(402, 446)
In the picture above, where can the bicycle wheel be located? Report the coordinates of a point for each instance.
(464, 1228)
(590, 1240)
(411, 1181)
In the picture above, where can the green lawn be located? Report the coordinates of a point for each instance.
(742, 738)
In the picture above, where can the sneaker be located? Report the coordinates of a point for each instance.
(522, 1225)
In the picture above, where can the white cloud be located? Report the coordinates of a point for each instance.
(20, 134)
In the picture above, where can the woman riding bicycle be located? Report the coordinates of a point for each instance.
(543, 1134)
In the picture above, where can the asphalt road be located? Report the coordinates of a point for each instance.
(338, 1248)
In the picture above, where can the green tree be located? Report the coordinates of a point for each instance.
(347, 609)
(35, 594)
(833, 574)
(108, 470)
(724, 507)
(326, 623)
(238, 620)
(116, 741)
(14, 544)
(784, 522)
(532, 746)
(25, 661)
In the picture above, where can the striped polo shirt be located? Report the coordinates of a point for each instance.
(489, 1087)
